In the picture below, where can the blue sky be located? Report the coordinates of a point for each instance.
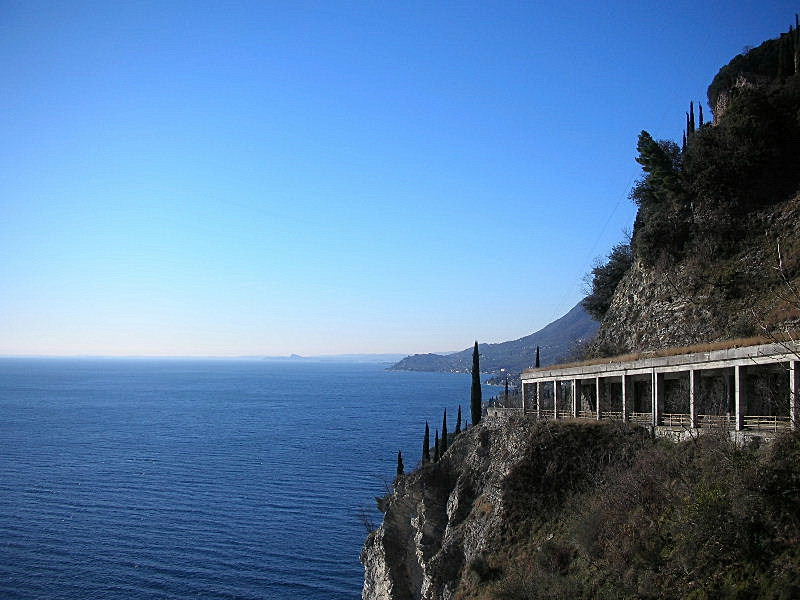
(231, 178)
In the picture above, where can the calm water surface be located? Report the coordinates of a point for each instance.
(199, 478)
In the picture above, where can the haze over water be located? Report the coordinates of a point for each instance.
(199, 478)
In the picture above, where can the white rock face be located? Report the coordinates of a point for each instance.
(651, 311)
(376, 572)
(441, 518)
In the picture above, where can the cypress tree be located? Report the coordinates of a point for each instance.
(426, 445)
(505, 394)
(444, 433)
(400, 466)
(782, 55)
(700, 106)
(796, 43)
(537, 358)
(691, 120)
(475, 403)
(683, 145)
(458, 421)
(786, 54)
(436, 447)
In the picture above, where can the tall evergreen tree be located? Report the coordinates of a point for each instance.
(436, 447)
(701, 121)
(475, 403)
(537, 364)
(426, 445)
(786, 54)
(796, 43)
(458, 421)
(505, 393)
(444, 433)
(782, 55)
(400, 466)
(690, 133)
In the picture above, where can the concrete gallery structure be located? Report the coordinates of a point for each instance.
(741, 388)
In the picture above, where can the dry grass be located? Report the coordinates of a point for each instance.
(664, 352)
(484, 508)
(782, 313)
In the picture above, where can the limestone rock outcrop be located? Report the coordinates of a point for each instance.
(705, 298)
(441, 518)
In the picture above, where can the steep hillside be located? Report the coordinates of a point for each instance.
(713, 214)
(520, 510)
(556, 341)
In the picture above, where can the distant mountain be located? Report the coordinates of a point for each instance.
(356, 358)
(349, 358)
(557, 341)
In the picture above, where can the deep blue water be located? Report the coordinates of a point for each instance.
(200, 478)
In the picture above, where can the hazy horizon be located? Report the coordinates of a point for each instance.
(282, 358)
(195, 179)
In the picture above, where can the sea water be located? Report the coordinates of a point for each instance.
(171, 478)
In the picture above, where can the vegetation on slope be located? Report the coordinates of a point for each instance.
(710, 215)
(604, 279)
(599, 511)
(749, 159)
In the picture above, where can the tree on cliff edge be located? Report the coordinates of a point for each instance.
(458, 421)
(400, 467)
(476, 386)
(426, 445)
(444, 433)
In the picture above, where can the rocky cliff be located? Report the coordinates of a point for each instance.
(449, 526)
(705, 297)
(578, 509)
(517, 510)
(441, 518)
(713, 213)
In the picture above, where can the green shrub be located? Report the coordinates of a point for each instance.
(605, 278)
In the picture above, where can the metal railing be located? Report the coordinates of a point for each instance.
(768, 422)
(676, 420)
(500, 410)
(641, 417)
(724, 421)
(757, 422)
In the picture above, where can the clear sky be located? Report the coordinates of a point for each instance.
(229, 178)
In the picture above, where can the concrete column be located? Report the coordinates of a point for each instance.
(626, 387)
(576, 397)
(555, 398)
(739, 395)
(522, 392)
(658, 396)
(694, 396)
(538, 398)
(597, 395)
(794, 390)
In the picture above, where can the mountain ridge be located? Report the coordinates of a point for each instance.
(557, 341)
